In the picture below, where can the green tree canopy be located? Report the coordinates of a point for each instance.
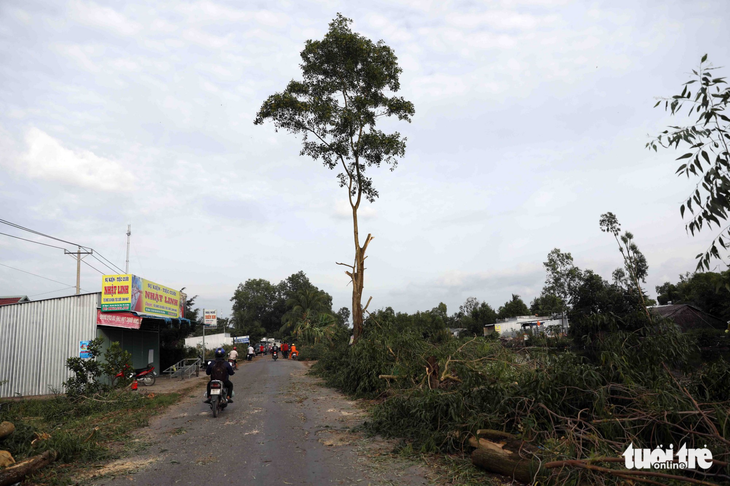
(513, 308)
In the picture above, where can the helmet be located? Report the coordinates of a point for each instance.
(234, 347)
(219, 353)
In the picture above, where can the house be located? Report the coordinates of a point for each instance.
(688, 317)
(13, 299)
(518, 326)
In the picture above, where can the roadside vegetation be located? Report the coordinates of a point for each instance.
(558, 409)
(91, 422)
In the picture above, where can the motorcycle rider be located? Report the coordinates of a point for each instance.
(233, 356)
(220, 369)
(250, 352)
(274, 349)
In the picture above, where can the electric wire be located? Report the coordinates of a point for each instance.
(105, 258)
(39, 276)
(31, 241)
(14, 225)
(82, 261)
(52, 291)
(107, 266)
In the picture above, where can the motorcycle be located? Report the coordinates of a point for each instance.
(146, 376)
(249, 356)
(275, 355)
(294, 355)
(218, 397)
(234, 363)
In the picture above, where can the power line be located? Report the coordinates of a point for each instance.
(75, 256)
(52, 291)
(107, 266)
(14, 225)
(105, 258)
(31, 241)
(39, 276)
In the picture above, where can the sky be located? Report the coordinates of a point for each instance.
(531, 121)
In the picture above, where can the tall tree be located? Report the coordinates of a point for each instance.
(707, 141)
(255, 309)
(513, 308)
(634, 261)
(347, 80)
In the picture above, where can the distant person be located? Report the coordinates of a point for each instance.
(294, 352)
(220, 369)
(233, 358)
(285, 350)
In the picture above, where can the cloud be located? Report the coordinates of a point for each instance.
(47, 159)
(105, 18)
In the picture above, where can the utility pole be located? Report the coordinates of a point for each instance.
(78, 254)
(129, 233)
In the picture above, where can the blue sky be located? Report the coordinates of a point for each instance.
(531, 121)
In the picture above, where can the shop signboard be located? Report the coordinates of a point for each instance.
(134, 294)
(126, 320)
(209, 318)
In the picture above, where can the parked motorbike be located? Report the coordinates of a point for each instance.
(218, 397)
(146, 376)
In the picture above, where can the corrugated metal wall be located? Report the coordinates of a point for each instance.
(37, 337)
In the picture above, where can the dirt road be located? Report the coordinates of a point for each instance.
(284, 428)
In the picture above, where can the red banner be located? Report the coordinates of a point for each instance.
(118, 319)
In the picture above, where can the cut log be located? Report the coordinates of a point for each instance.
(13, 474)
(505, 462)
(6, 428)
(6, 459)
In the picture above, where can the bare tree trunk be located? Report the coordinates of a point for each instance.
(358, 279)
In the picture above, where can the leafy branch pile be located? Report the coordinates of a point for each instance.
(568, 406)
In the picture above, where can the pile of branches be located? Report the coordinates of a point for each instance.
(570, 417)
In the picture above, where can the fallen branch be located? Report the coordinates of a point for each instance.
(14, 474)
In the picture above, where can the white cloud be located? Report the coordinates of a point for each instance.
(47, 159)
(108, 19)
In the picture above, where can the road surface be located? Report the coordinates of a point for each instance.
(283, 428)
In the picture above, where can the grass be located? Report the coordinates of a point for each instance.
(83, 432)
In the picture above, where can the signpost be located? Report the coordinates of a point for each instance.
(209, 321)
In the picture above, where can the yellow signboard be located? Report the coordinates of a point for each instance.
(133, 293)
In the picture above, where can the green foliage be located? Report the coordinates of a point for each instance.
(260, 308)
(77, 428)
(709, 291)
(87, 372)
(393, 344)
(93, 375)
(513, 308)
(336, 106)
(707, 156)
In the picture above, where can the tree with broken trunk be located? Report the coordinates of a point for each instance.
(348, 85)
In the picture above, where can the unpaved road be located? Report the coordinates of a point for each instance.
(284, 428)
